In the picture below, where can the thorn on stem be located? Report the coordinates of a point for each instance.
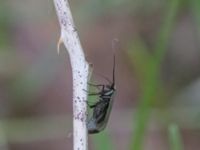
(60, 41)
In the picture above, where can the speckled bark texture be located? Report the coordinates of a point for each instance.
(80, 69)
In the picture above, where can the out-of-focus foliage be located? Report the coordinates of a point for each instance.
(175, 138)
(151, 83)
(158, 60)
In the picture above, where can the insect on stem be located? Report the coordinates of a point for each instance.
(102, 108)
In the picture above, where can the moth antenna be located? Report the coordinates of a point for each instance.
(107, 79)
(104, 77)
(114, 70)
(114, 41)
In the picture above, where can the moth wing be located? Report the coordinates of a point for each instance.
(100, 111)
(92, 126)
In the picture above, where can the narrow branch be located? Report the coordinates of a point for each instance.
(80, 72)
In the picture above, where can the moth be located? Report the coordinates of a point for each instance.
(102, 108)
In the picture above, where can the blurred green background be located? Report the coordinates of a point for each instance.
(157, 105)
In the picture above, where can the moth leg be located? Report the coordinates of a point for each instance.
(96, 85)
(92, 94)
(103, 88)
(91, 104)
(107, 97)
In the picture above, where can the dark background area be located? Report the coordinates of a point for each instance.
(157, 104)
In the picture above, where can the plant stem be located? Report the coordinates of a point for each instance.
(80, 67)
